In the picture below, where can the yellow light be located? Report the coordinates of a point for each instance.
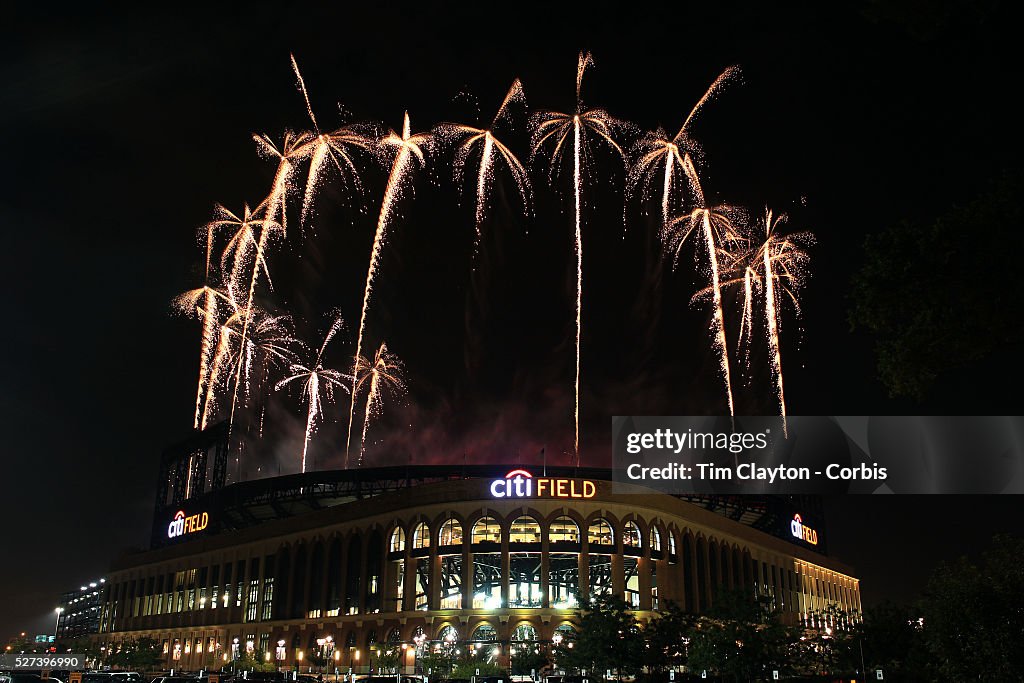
(357, 655)
(299, 655)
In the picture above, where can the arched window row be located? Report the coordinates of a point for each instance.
(451, 532)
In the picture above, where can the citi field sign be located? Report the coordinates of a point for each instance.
(522, 484)
(802, 531)
(182, 525)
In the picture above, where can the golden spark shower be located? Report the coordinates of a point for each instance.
(558, 129)
(744, 275)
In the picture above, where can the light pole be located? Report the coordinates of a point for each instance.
(56, 625)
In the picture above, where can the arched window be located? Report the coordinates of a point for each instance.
(524, 530)
(394, 637)
(448, 634)
(419, 637)
(484, 633)
(421, 536)
(451, 533)
(564, 529)
(600, 532)
(397, 544)
(631, 537)
(486, 530)
(524, 633)
(655, 539)
(671, 543)
(564, 633)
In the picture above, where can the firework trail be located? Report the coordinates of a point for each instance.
(783, 261)
(384, 374)
(408, 155)
(266, 228)
(243, 247)
(492, 152)
(204, 303)
(318, 385)
(560, 128)
(738, 269)
(657, 149)
(715, 227)
(323, 148)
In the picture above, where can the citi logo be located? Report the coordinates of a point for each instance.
(522, 484)
(516, 484)
(182, 525)
(802, 531)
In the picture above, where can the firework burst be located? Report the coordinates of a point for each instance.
(715, 227)
(408, 150)
(492, 154)
(286, 155)
(380, 376)
(783, 261)
(324, 150)
(247, 244)
(575, 130)
(318, 385)
(660, 155)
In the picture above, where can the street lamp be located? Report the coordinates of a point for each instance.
(56, 624)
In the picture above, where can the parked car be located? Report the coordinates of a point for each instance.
(19, 677)
(123, 677)
(172, 679)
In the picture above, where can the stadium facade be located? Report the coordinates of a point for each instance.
(343, 564)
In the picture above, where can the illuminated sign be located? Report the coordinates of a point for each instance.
(802, 531)
(182, 525)
(522, 484)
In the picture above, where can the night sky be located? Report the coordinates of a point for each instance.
(123, 130)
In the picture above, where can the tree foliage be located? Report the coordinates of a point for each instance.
(136, 654)
(607, 639)
(973, 615)
(938, 295)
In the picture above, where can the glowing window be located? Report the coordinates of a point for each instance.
(484, 633)
(600, 533)
(451, 533)
(421, 536)
(524, 633)
(631, 535)
(397, 544)
(655, 539)
(564, 529)
(524, 530)
(486, 530)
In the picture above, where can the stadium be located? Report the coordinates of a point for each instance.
(337, 566)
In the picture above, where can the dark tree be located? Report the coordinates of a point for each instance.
(973, 615)
(608, 639)
(892, 641)
(137, 654)
(944, 294)
(665, 639)
(741, 638)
